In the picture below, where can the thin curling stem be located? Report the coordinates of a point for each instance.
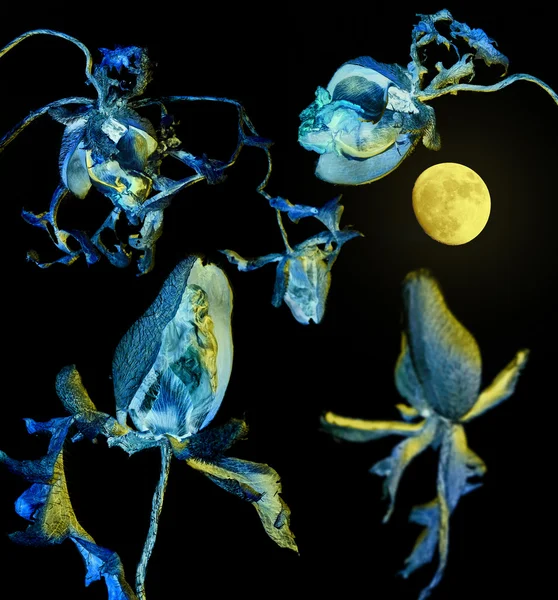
(428, 94)
(243, 119)
(13, 133)
(283, 230)
(82, 47)
(156, 507)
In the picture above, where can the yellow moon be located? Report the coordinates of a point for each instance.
(451, 203)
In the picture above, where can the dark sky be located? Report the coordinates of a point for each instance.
(500, 286)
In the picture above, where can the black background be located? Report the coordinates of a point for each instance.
(500, 285)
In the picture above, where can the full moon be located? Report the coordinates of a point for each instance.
(451, 203)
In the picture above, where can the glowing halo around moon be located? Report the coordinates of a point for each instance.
(451, 203)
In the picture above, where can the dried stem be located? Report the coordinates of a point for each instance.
(156, 508)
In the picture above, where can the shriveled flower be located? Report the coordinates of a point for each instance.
(365, 122)
(170, 373)
(372, 115)
(109, 146)
(439, 373)
(303, 275)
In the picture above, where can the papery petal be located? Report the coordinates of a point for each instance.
(87, 419)
(258, 484)
(150, 232)
(101, 562)
(294, 211)
(330, 214)
(358, 139)
(135, 147)
(128, 189)
(341, 170)
(138, 349)
(250, 264)
(392, 467)
(176, 409)
(280, 285)
(209, 168)
(41, 470)
(361, 430)
(71, 391)
(134, 136)
(458, 464)
(392, 72)
(191, 355)
(406, 380)
(307, 285)
(484, 47)
(427, 515)
(446, 357)
(47, 505)
(73, 167)
(383, 75)
(211, 442)
(369, 95)
(501, 388)
(32, 500)
(408, 413)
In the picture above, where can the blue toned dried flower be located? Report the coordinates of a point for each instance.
(303, 274)
(371, 115)
(170, 373)
(439, 373)
(365, 122)
(109, 146)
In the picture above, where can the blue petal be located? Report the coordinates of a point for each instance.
(361, 430)
(369, 95)
(31, 500)
(393, 467)
(338, 169)
(501, 388)
(458, 464)
(446, 357)
(280, 286)
(136, 352)
(394, 72)
(258, 484)
(101, 562)
(406, 380)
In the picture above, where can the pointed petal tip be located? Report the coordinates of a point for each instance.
(387, 516)
(522, 356)
(420, 279)
(418, 274)
(405, 572)
(328, 417)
